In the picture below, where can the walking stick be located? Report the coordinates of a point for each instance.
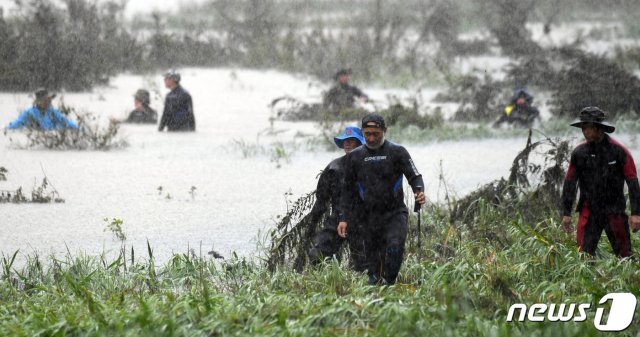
(416, 208)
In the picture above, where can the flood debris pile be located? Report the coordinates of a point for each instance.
(403, 115)
(478, 96)
(292, 237)
(288, 108)
(531, 191)
(396, 113)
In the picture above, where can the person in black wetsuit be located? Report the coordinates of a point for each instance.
(342, 95)
(600, 167)
(178, 106)
(327, 242)
(373, 198)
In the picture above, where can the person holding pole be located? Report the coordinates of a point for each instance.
(373, 197)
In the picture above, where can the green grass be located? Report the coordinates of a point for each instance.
(497, 261)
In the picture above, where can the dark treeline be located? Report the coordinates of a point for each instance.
(74, 47)
(80, 43)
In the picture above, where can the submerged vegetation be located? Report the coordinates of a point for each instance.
(44, 193)
(461, 281)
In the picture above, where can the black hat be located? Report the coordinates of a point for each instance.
(344, 71)
(43, 93)
(592, 114)
(373, 121)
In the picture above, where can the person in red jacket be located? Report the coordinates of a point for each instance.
(600, 167)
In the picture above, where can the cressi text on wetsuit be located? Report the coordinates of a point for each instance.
(374, 198)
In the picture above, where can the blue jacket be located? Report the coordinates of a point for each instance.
(34, 119)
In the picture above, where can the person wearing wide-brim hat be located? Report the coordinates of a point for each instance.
(342, 95)
(326, 242)
(600, 167)
(596, 116)
(42, 115)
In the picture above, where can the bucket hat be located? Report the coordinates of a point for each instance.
(595, 115)
(349, 132)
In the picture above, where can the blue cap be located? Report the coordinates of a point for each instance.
(349, 132)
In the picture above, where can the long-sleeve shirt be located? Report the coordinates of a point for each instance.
(33, 118)
(178, 111)
(328, 191)
(373, 180)
(600, 170)
(148, 116)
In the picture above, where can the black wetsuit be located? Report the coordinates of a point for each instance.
(327, 242)
(600, 170)
(342, 96)
(178, 111)
(148, 116)
(373, 197)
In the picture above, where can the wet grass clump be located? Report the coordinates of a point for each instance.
(465, 293)
(458, 279)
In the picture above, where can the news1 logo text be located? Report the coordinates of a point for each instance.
(620, 313)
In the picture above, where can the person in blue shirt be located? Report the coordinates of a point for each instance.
(42, 116)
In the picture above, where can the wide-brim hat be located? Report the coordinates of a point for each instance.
(43, 93)
(593, 115)
(349, 132)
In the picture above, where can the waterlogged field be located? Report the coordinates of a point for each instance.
(179, 195)
(217, 187)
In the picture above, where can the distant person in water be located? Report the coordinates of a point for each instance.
(178, 106)
(326, 242)
(520, 111)
(142, 113)
(342, 95)
(42, 115)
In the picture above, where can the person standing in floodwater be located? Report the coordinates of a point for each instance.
(42, 115)
(178, 106)
(600, 167)
(342, 95)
